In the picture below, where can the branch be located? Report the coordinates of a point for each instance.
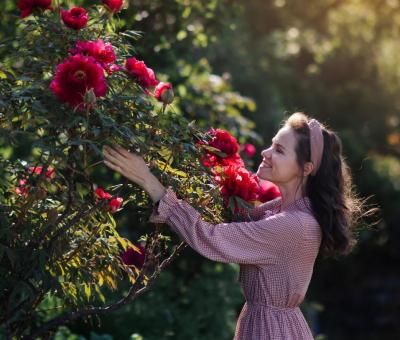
(73, 221)
(133, 293)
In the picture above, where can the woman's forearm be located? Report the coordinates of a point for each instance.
(154, 188)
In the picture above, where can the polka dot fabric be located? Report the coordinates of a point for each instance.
(276, 250)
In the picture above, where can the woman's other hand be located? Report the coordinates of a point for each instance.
(129, 165)
(134, 168)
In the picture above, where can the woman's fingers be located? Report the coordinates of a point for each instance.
(113, 166)
(116, 157)
(122, 151)
(128, 164)
(112, 159)
(113, 152)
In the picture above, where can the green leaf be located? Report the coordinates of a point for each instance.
(243, 203)
(88, 291)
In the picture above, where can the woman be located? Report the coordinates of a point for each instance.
(277, 247)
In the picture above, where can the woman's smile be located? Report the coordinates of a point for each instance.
(265, 165)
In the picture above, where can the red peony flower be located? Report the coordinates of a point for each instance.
(75, 76)
(237, 182)
(267, 191)
(164, 93)
(102, 52)
(143, 75)
(27, 6)
(100, 193)
(115, 204)
(132, 257)
(76, 18)
(249, 150)
(113, 5)
(224, 142)
(210, 160)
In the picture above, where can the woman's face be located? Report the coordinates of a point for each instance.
(279, 163)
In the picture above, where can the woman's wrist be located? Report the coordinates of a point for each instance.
(154, 188)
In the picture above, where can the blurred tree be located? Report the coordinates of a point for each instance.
(335, 60)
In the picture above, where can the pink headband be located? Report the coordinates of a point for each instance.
(316, 144)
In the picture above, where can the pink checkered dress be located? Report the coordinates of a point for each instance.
(276, 251)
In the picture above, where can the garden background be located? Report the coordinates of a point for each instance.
(243, 66)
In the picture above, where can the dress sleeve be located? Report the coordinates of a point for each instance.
(264, 241)
(256, 213)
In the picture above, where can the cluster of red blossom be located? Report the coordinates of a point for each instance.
(113, 204)
(24, 185)
(76, 18)
(221, 153)
(80, 78)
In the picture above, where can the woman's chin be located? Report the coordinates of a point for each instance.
(261, 174)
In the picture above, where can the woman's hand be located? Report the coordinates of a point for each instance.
(133, 167)
(128, 164)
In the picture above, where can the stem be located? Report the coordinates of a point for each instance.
(94, 164)
(135, 291)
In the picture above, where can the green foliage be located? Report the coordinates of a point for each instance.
(195, 300)
(57, 239)
(59, 246)
(335, 60)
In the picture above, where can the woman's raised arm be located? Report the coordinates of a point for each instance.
(265, 241)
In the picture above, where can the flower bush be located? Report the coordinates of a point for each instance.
(66, 93)
(75, 76)
(69, 87)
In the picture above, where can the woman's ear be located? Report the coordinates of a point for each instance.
(308, 168)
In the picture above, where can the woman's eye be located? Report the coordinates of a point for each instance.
(277, 149)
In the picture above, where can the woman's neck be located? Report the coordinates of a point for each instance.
(289, 196)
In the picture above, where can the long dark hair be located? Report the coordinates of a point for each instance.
(334, 203)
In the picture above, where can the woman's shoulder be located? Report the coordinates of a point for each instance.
(310, 225)
(302, 209)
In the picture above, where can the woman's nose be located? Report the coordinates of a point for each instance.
(265, 153)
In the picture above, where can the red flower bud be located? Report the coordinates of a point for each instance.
(100, 193)
(164, 93)
(113, 5)
(249, 150)
(76, 18)
(115, 204)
